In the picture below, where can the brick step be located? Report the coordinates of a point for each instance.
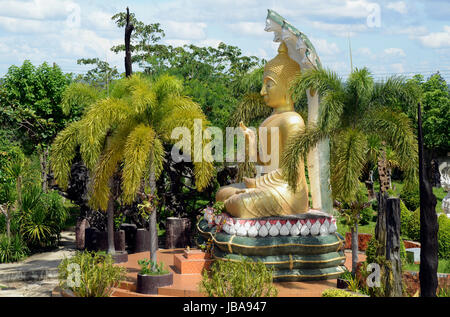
(127, 286)
(192, 262)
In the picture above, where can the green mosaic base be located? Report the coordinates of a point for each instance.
(271, 245)
(293, 258)
(289, 262)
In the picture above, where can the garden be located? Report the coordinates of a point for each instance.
(93, 154)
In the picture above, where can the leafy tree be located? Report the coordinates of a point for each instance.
(31, 98)
(128, 130)
(435, 112)
(143, 38)
(101, 75)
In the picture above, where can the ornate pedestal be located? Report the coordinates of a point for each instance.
(301, 247)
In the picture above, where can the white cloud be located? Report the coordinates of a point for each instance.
(100, 20)
(175, 42)
(324, 47)
(365, 51)
(392, 51)
(437, 39)
(80, 43)
(184, 30)
(37, 9)
(342, 30)
(411, 31)
(398, 68)
(355, 9)
(26, 26)
(248, 28)
(399, 6)
(209, 42)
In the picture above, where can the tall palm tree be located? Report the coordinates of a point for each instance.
(353, 112)
(128, 129)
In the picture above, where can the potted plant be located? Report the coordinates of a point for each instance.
(152, 276)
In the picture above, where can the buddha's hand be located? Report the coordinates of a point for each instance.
(250, 136)
(249, 182)
(248, 133)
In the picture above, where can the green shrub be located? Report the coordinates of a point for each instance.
(148, 267)
(371, 250)
(366, 216)
(405, 217)
(333, 292)
(97, 274)
(42, 217)
(12, 249)
(444, 237)
(413, 228)
(411, 198)
(219, 207)
(238, 279)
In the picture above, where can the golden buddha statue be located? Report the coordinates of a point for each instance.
(270, 195)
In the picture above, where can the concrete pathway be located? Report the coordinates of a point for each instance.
(37, 275)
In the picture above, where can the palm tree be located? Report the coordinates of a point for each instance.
(127, 130)
(353, 112)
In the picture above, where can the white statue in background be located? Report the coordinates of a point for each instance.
(445, 183)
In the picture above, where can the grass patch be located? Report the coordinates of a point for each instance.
(443, 267)
(369, 228)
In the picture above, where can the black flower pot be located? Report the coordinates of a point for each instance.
(141, 241)
(178, 233)
(341, 283)
(98, 240)
(149, 284)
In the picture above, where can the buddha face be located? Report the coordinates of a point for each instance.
(274, 94)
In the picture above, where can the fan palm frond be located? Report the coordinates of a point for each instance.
(105, 169)
(322, 80)
(79, 95)
(138, 146)
(63, 152)
(97, 123)
(251, 107)
(396, 128)
(348, 160)
(296, 150)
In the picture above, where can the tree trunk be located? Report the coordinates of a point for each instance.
(19, 192)
(110, 221)
(80, 233)
(8, 222)
(370, 187)
(152, 222)
(128, 30)
(393, 246)
(354, 231)
(387, 233)
(382, 170)
(389, 177)
(44, 168)
(428, 225)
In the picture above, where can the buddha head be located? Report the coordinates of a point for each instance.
(278, 74)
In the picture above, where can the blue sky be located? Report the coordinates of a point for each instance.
(389, 37)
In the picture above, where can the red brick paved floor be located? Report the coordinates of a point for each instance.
(186, 285)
